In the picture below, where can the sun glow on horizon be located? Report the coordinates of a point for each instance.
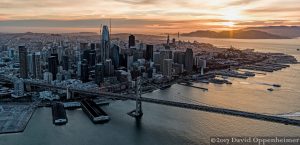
(229, 24)
(168, 16)
(232, 14)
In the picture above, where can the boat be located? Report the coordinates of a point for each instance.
(276, 85)
(225, 77)
(228, 82)
(270, 89)
(189, 83)
(17, 96)
(219, 81)
(249, 74)
(59, 114)
(204, 81)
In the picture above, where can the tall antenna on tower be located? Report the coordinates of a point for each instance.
(101, 29)
(110, 28)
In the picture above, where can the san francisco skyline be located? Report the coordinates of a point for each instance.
(145, 16)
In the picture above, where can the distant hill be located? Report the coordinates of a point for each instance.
(287, 31)
(236, 34)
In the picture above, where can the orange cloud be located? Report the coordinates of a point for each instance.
(167, 15)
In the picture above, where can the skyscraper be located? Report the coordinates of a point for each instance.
(92, 55)
(179, 57)
(60, 53)
(167, 54)
(108, 67)
(156, 57)
(31, 65)
(84, 77)
(52, 66)
(168, 40)
(131, 41)
(65, 62)
(167, 69)
(92, 58)
(23, 61)
(38, 67)
(11, 53)
(19, 88)
(99, 73)
(115, 55)
(48, 77)
(79, 69)
(105, 44)
(93, 46)
(149, 52)
(189, 60)
(83, 46)
(129, 59)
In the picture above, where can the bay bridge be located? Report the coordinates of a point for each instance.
(139, 99)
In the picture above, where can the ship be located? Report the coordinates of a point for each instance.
(249, 74)
(204, 81)
(219, 81)
(276, 85)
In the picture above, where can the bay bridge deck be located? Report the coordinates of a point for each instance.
(206, 108)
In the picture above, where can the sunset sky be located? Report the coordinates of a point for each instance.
(144, 16)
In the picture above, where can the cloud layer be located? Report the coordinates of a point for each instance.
(146, 15)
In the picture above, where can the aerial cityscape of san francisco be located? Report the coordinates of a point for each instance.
(149, 72)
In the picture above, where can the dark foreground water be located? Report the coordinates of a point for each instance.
(162, 125)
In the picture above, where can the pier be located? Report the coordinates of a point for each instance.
(15, 117)
(192, 86)
(95, 113)
(59, 114)
(231, 74)
(265, 67)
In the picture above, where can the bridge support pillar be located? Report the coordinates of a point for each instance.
(138, 112)
(69, 94)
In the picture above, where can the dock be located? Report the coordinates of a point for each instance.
(94, 112)
(76, 105)
(59, 114)
(232, 74)
(265, 67)
(187, 85)
(71, 105)
(15, 117)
